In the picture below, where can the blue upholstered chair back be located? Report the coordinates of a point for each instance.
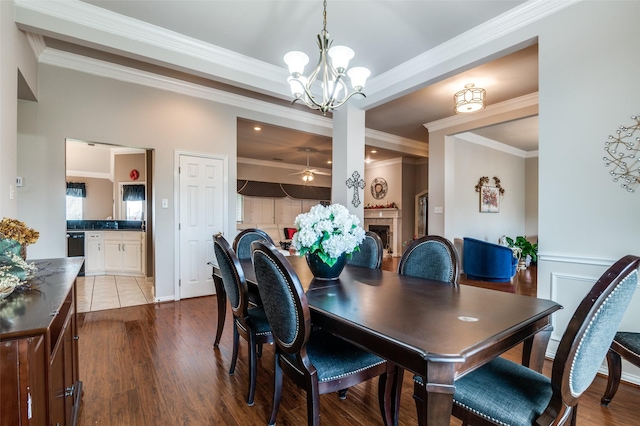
(431, 257)
(283, 298)
(592, 329)
(242, 242)
(370, 254)
(232, 275)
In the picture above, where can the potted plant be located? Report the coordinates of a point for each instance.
(528, 251)
(327, 236)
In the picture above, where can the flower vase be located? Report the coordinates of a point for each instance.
(322, 271)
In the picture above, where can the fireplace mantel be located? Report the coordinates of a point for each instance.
(391, 217)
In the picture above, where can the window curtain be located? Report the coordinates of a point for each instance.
(132, 192)
(77, 189)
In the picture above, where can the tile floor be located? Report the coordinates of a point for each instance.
(101, 292)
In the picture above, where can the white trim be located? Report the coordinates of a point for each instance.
(550, 257)
(176, 206)
(490, 111)
(490, 143)
(86, 174)
(36, 41)
(388, 162)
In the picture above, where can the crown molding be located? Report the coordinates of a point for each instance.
(510, 21)
(389, 162)
(36, 41)
(105, 69)
(499, 108)
(88, 174)
(490, 143)
(94, 25)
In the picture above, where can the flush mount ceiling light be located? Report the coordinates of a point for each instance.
(471, 99)
(330, 73)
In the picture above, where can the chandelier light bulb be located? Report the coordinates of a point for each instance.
(358, 76)
(296, 61)
(340, 57)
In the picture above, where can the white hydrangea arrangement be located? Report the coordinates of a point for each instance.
(327, 231)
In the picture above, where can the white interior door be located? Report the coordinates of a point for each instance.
(201, 216)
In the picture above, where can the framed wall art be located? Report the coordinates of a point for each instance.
(489, 195)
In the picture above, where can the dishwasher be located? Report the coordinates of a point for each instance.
(75, 246)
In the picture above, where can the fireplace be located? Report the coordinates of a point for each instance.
(384, 232)
(387, 223)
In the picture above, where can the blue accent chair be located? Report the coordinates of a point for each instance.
(503, 392)
(484, 261)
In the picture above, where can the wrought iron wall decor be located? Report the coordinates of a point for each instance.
(355, 182)
(623, 150)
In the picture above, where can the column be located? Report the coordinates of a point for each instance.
(347, 173)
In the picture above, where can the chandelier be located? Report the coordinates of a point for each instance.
(471, 99)
(330, 72)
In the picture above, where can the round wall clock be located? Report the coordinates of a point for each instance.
(379, 188)
(134, 174)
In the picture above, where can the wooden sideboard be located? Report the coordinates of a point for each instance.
(39, 379)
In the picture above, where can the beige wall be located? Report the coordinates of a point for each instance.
(98, 205)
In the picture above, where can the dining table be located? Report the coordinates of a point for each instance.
(433, 329)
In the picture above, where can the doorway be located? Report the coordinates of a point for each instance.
(202, 214)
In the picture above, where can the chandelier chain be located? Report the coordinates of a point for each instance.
(324, 16)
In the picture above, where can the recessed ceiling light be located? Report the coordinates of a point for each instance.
(329, 161)
(257, 128)
(368, 160)
(373, 151)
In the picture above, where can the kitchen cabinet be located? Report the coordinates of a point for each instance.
(39, 383)
(94, 253)
(124, 252)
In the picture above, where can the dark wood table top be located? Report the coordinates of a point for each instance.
(25, 313)
(412, 320)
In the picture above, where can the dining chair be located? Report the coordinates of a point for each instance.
(625, 345)
(242, 241)
(431, 257)
(504, 392)
(249, 322)
(314, 359)
(370, 253)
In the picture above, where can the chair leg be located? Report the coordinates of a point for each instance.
(234, 356)
(277, 389)
(574, 415)
(389, 389)
(614, 363)
(259, 350)
(313, 404)
(253, 369)
(342, 393)
(420, 397)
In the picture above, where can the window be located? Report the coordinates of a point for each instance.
(74, 208)
(134, 210)
(133, 202)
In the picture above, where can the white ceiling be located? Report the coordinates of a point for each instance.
(240, 43)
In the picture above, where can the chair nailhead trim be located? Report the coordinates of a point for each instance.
(479, 414)
(595, 316)
(351, 372)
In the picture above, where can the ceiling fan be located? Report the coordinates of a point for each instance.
(308, 173)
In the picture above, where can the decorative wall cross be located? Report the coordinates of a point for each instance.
(355, 182)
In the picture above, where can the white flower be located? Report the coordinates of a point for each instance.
(331, 230)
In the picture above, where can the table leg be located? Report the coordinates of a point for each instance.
(221, 296)
(534, 349)
(439, 389)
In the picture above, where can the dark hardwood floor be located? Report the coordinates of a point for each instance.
(155, 365)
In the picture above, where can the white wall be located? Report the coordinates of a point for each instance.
(472, 161)
(588, 87)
